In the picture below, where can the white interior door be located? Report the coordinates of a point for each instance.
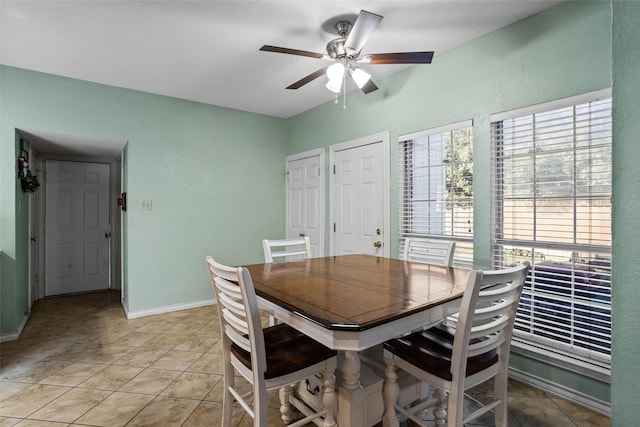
(305, 198)
(76, 227)
(360, 196)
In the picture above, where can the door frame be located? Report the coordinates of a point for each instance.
(115, 217)
(36, 224)
(382, 138)
(318, 152)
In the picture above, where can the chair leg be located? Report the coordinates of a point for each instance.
(329, 398)
(260, 406)
(227, 401)
(391, 391)
(286, 409)
(500, 393)
(440, 409)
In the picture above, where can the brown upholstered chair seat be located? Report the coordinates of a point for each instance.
(431, 349)
(287, 350)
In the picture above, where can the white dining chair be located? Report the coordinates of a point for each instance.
(286, 249)
(429, 251)
(280, 250)
(269, 359)
(453, 360)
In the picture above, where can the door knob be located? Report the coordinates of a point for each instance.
(378, 244)
(106, 235)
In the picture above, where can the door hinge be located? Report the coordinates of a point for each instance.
(334, 227)
(334, 169)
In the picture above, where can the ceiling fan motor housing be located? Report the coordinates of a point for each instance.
(336, 49)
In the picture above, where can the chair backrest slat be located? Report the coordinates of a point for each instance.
(492, 310)
(301, 254)
(428, 251)
(286, 249)
(229, 288)
(237, 323)
(486, 345)
(232, 305)
(495, 292)
(487, 328)
(240, 340)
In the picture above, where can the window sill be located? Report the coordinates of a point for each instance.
(597, 370)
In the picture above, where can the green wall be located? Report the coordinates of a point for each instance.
(625, 376)
(196, 162)
(558, 53)
(214, 175)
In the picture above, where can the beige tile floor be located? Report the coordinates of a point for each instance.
(80, 362)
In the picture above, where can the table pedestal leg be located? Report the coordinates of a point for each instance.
(440, 410)
(391, 391)
(329, 398)
(351, 394)
(286, 408)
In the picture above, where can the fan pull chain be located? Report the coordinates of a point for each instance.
(344, 91)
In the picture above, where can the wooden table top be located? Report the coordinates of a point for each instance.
(356, 292)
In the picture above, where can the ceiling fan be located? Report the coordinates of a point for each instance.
(345, 53)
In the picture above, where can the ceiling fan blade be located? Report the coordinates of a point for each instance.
(399, 58)
(369, 87)
(267, 48)
(365, 23)
(311, 77)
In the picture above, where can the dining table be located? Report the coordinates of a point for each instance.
(352, 303)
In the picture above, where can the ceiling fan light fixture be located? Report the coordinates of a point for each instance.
(334, 85)
(336, 75)
(336, 72)
(359, 76)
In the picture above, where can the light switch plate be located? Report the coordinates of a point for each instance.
(145, 205)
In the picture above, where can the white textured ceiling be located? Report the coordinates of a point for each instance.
(207, 51)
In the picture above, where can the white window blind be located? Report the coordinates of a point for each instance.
(551, 195)
(436, 187)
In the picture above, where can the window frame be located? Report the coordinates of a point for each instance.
(590, 363)
(464, 244)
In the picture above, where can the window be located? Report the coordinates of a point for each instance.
(552, 206)
(436, 187)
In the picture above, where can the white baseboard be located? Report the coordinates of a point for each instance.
(579, 398)
(166, 308)
(12, 336)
